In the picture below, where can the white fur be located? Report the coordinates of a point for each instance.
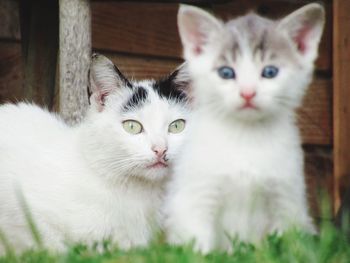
(86, 183)
(241, 172)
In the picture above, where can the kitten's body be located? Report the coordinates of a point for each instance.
(86, 183)
(253, 190)
(64, 195)
(241, 174)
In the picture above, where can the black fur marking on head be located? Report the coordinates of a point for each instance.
(137, 99)
(170, 89)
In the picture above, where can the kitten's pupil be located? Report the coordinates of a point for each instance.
(269, 72)
(226, 72)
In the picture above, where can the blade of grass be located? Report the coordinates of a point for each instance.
(29, 218)
(10, 252)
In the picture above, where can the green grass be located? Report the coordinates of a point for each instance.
(332, 245)
(329, 246)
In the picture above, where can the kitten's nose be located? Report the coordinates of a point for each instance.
(159, 151)
(248, 95)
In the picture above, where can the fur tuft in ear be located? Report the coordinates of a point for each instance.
(180, 76)
(304, 27)
(196, 27)
(177, 85)
(105, 78)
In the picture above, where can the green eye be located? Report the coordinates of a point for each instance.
(177, 126)
(132, 127)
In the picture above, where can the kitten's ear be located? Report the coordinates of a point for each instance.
(196, 27)
(105, 78)
(304, 27)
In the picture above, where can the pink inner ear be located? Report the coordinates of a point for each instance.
(100, 100)
(197, 50)
(301, 39)
(198, 40)
(103, 98)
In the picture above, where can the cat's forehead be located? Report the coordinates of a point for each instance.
(250, 25)
(257, 36)
(147, 94)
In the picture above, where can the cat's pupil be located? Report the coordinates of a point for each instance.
(226, 72)
(269, 72)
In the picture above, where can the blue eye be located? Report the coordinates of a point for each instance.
(269, 72)
(226, 72)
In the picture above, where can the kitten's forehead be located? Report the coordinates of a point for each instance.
(257, 36)
(250, 26)
(139, 94)
(153, 92)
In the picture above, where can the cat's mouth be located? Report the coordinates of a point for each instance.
(248, 106)
(158, 164)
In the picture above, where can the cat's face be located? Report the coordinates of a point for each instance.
(143, 123)
(251, 67)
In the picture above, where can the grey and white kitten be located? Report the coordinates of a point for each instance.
(241, 174)
(102, 179)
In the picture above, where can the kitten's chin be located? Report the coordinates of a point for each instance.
(156, 172)
(250, 114)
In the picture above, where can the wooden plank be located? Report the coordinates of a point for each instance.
(11, 72)
(318, 176)
(341, 109)
(138, 28)
(40, 47)
(315, 115)
(141, 28)
(277, 9)
(9, 20)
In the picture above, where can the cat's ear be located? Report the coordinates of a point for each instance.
(304, 27)
(104, 79)
(196, 27)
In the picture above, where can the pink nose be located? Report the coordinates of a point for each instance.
(159, 151)
(248, 95)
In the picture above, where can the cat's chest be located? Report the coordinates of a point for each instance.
(116, 212)
(118, 201)
(234, 150)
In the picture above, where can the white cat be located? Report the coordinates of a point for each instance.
(103, 179)
(241, 173)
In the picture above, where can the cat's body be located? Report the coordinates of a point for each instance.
(241, 174)
(64, 195)
(95, 181)
(244, 197)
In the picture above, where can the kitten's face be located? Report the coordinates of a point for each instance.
(144, 124)
(152, 129)
(251, 67)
